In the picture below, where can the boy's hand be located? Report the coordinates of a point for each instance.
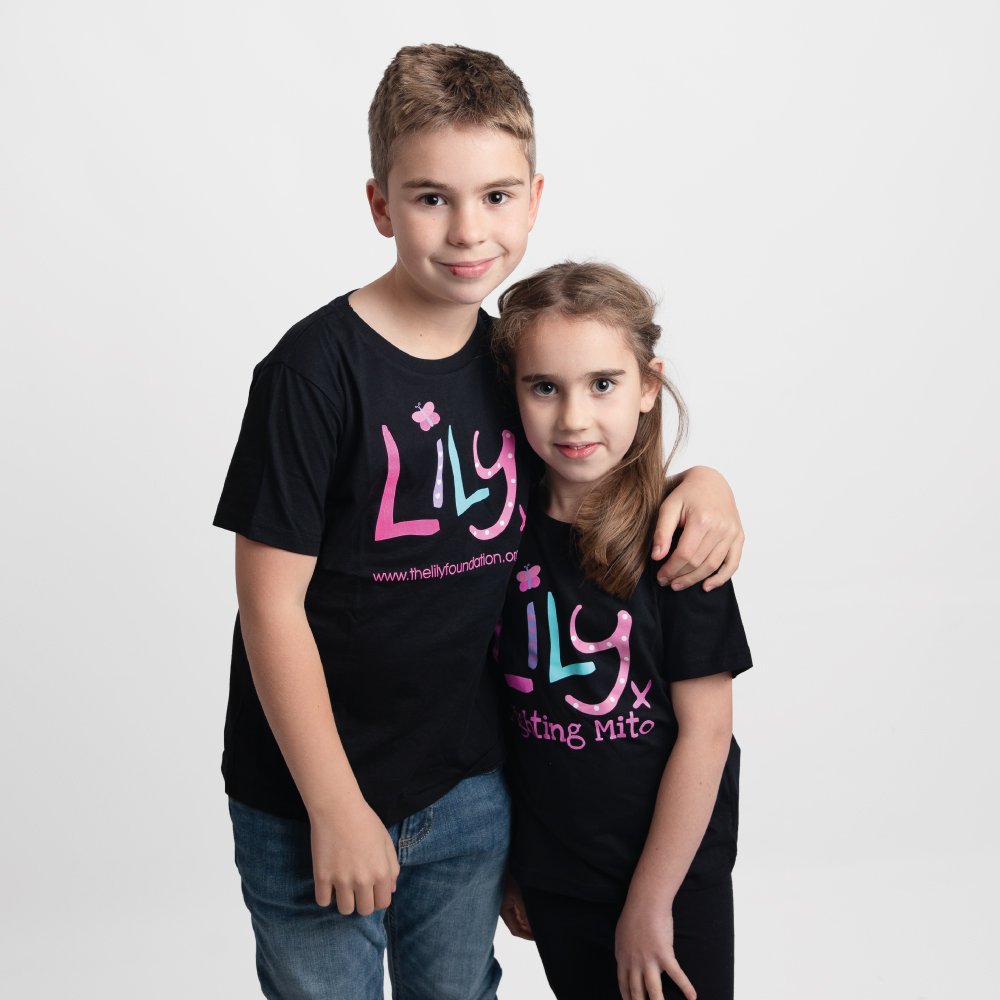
(512, 910)
(711, 542)
(354, 860)
(644, 949)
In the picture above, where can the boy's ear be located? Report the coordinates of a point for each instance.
(651, 389)
(537, 183)
(379, 208)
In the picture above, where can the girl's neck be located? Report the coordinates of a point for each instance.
(561, 500)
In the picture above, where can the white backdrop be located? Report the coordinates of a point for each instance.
(812, 188)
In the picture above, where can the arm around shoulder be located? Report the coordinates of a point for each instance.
(701, 503)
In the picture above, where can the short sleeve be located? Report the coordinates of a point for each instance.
(275, 491)
(702, 633)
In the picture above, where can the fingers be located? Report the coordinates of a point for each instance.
(666, 524)
(344, 898)
(518, 927)
(672, 968)
(523, 924)
(637, 982)
(654, 982)
(640, 982)
(701, 553)
(632, 983)
(730, 564)
(692, 548)
(363, 897)
(515, 918)
(623, 983)
(324, 892)
(390, 849)
(364, 900)
(362, 883)
(702, 567)
(382, 894)
(644, 981)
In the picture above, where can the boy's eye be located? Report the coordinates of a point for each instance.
(497, 197)
(543, 389)
(602, 386)
(431, 200)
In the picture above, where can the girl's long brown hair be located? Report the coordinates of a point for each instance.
(615, 522)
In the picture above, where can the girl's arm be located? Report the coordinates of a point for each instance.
(711, 543)
(644, 940)
(512, 909)
(353, 855)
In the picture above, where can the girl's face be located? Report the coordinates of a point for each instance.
(580, 395)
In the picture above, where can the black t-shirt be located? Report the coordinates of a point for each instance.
(590, 722)
(401, 476)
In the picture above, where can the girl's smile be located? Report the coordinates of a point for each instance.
(578, 450)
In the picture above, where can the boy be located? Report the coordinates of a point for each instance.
(378, 490)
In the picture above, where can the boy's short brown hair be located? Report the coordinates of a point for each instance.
(432, 86)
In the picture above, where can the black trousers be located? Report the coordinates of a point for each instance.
(576, 942)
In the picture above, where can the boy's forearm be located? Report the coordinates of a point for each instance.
(674, 479)
(684, 804)
(288, 675)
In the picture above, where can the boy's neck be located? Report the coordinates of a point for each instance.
(418, 326)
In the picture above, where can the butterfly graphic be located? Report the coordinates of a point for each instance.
(425, 416)
(527, 579)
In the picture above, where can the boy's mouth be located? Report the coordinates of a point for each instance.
(583, 450)
(469, 268)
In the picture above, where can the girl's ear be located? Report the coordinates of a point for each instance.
(651, 387)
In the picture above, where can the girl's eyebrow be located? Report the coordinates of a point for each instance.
(603, 373)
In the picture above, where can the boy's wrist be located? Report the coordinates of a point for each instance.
(334, 805)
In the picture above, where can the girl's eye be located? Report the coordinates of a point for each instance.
(543, 389)
(603, 386)
(497, 197)
(431, 200)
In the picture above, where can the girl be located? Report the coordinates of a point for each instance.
(622, 764)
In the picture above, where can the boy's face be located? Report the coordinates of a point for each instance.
(460, 204)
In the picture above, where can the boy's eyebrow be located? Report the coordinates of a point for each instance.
(427, 182)
(603, 373)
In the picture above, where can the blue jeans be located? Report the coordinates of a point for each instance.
(438, 930)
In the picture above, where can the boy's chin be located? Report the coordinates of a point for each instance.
(471, 294)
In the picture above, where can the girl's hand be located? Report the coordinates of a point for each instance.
(644, 949)
(711, 542)
(512, 910)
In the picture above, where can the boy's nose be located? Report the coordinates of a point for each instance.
(466, 227)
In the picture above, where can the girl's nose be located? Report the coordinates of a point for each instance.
(574, 414)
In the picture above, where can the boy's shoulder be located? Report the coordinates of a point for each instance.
(334, 340)
(309, 345)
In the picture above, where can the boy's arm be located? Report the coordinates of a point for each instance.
(353, 856)
(711, 543)
(684, 803)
